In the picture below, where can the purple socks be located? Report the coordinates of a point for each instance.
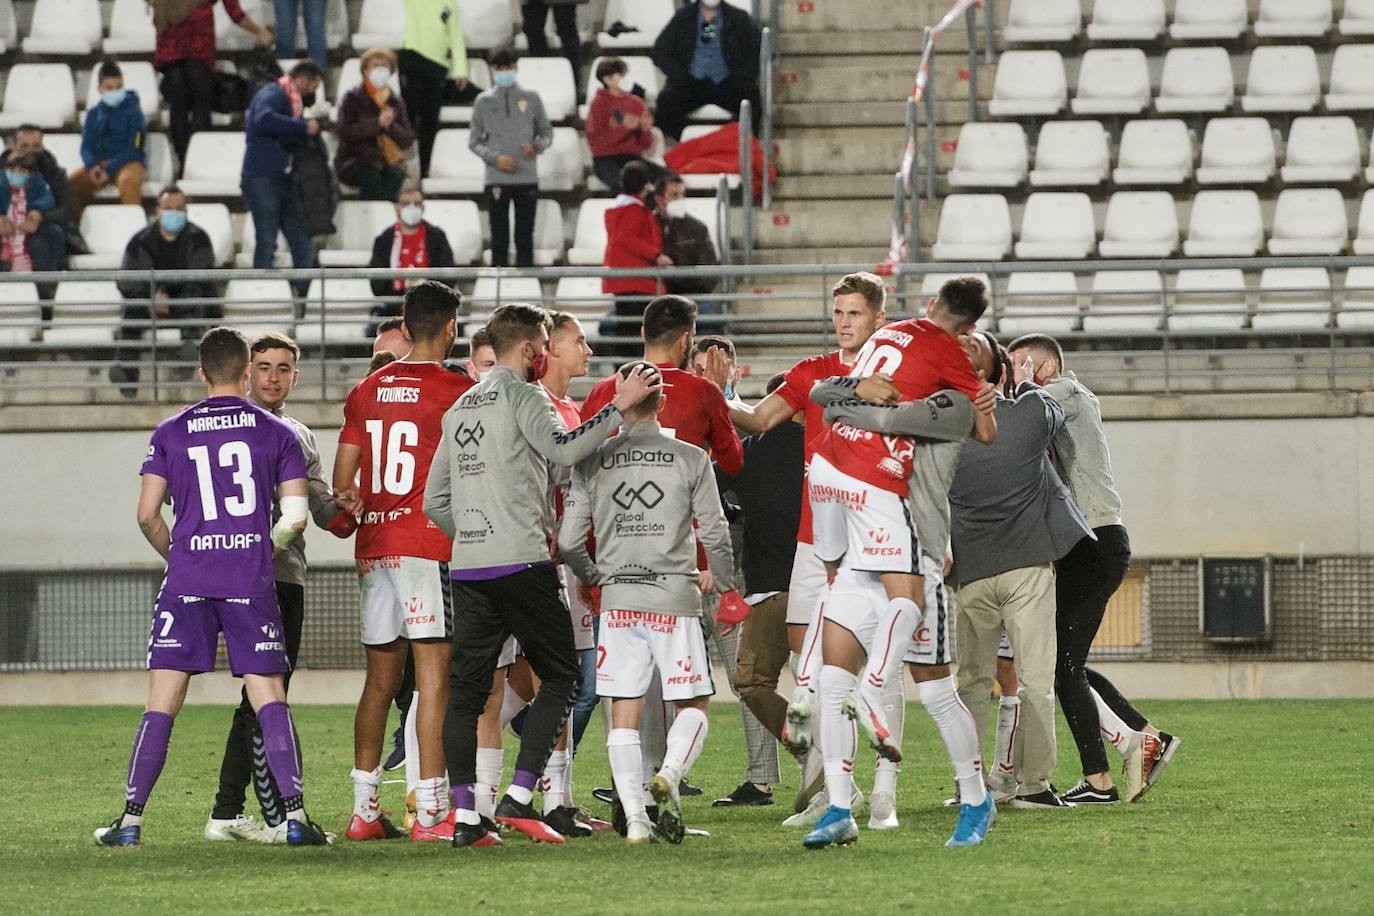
(146, 760)
(283, 754)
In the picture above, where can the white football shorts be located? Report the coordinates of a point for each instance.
(403, 598)
(635, 643)
(871, 528)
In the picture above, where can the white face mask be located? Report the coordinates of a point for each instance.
(482, 376)
(379, 76)
(710, 4)
(411, 214)
(677, 209)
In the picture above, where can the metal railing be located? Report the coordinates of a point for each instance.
(766, 59)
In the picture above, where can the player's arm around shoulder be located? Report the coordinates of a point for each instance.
(438, 502)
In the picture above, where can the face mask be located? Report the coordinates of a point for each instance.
(411, 214)
(677, 209)
(308, 99)
(540, 366)
(379, 76)
(16, 179)
(114, 98)
(173, 221)
(710, 4)
(482, 376)
(729, 391)
(503, 78)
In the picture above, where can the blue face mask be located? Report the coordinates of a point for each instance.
(503, 78)
(729, 392)
(16, 179)
(114, 98)
(173, 221)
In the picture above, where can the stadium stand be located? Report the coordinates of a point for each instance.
(989, 155)
(1071, 153)
(1126, 20)
(1209, 20)
(1033, 21)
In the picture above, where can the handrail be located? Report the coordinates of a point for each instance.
(746, 179)
(766, 127)
(723, 226)
(971, 24)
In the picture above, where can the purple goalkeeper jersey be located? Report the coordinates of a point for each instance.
(223, 459)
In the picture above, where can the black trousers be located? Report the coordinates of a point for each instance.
(422, 87)
(607, 168)
(500, 199)
(681, 97)
(564, 22)
(1088, 577)
(245, 758)
(189, 88)
(528, 605)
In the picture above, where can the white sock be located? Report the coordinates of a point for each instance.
(622, 746)
(411, 739)
(809, 663)
(520, 794)
(365, 785)
(841, 739)
(897, 621)
(511, 704)
(553, 784)
(490, 762)
(956, 727)
(685, 741)
(1114, 728)
(894, 708)
(1008, 721)
(793, 660)
(431, 800)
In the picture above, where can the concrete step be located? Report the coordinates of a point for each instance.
(870, 254)
(834, 16)
(878, 41)
(829, 187)
(871, 151)
(811, 223)
(877, 78)
(862, 114)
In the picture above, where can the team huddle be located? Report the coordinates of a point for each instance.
(521, 558)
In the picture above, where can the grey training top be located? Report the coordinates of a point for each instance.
(488, 486)
(1080, 452)
(640, 493)
(503, 120)
(289, 564)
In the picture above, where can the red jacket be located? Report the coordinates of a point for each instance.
(606, 135)
(633, 239)
(718, 151)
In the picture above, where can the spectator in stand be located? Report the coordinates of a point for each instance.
(287, 12)
(28, 242)
(633, 239)
(411, 243)
(170, 242)
(536, 17)
(56, 219)
(620, 127)
(686, 240)
(709, 53)
(275, 116)
(509, 130)
(185, 56)
(112, 144)
(432, 53)
(374, 131)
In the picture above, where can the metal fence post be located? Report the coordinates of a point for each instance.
(324, 325)
(746, 178)
(766, 55)
(971, 24)
(990, 24)
(930, 122)
(912, 179)
(723, 228)
(152, 330)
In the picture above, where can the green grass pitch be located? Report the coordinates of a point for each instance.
(1265, 809)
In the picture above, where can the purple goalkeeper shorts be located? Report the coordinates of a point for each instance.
(186, 632)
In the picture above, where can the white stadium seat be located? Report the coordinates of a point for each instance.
(1042, 21)
(1364, 232)
(1213, 20)
(548, 235)
(381, 24)
(645, 17)
(1125, 301)
(1140, 224)
(41, 94)
(973, 227)
(256, 307)
(1196, 80)
(552, 78)
(1352, 78)
(214, 160)
(486, 23)
(589, 236)
(1282, 78)
(1112, 81)
(9, 27)
(454, 169)
(336, 311)
(161, 171)
(140, 77)
(1045, 302)
(989, 155)
(1237, 151)
(1357, 301)
(66, 149)
(1070, 153)
(1322, 149)
(1293, 299)
(462, 223)
(1154, 152)
(560, 166)
(1126, 20)
(20, 316)
(107, 229)
(228, 36)
(1028, 83)
(358, 223)
(489, 292)
(1058, 225)
(1224, 224)
(1293, 18)
(70, 27)
(84, 312)
(582, 296)
(1219, 292)
(1358, 18)
(1309, 221)
(217, 223)
(131, 29)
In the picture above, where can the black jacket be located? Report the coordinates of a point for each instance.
(316, 189)
(688, 242)
(436, 249)
(56, 178)
(675, 45)
(190, 250)
(769, 487)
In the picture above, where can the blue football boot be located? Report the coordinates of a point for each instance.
(836, 827)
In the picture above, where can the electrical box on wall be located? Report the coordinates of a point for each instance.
(1233, 598)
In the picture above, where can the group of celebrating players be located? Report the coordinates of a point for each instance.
(526, 557)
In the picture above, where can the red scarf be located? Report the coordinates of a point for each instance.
(15, 250)
(288, 85)
(408, 252)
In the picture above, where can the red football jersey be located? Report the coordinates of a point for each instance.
(394, 415)
(693, 410)
(921, 358)
(796, 391)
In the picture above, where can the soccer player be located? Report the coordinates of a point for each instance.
(639, 494)
(488, 490)
(223, 461)
(391, 339)
(272, 378)
(1088, 577)
(481, 357)
(390, 433)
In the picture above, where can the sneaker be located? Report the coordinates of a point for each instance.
(115, 835)
(521, 818)
(860, 707)
(746, 795)
(639, 832)
(441, 832)
(409, 820)
(380, 829)
(882, 811)
(590, 819)
(1002, 783)
(836, 828)
(230, 829)
(1133, 768)
(565, 821)
(812, 780)
(604, 795)
(687, 790)
(1085, 794)
(668, 827)
(1158, 752)
(1047, 798)
(476, 836)
(397, 758)
(305, 833)
(276, 836)
(973, 824)
(814, 811)
(799, 712)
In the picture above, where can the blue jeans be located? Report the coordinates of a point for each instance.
(286, 11)
(272, 201)
(584, 704)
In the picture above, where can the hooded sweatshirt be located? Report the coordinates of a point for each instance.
(633, 239)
